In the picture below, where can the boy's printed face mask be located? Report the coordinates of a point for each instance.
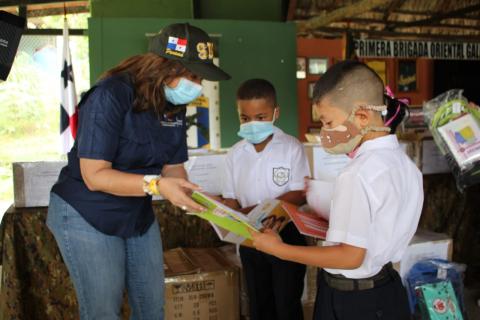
(344, 138)
(256, 132)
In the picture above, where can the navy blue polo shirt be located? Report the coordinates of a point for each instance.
(136, 142)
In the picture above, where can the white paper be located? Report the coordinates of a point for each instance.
(319, 197)
(207, 171)
(327, 166)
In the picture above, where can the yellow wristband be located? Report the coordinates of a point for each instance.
(150, 184)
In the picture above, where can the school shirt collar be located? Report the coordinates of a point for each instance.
(386, 142)
(276, 139)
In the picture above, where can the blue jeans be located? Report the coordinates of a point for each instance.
(102, 266)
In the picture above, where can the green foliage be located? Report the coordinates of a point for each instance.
(30, 102)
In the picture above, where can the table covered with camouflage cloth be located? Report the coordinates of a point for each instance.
(35, 282)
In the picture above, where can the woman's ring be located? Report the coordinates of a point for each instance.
(184, 208)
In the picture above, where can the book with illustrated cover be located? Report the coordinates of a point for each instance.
(462, 137)
(307, 223)
(232, 226)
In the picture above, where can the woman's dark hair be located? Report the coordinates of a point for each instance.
(257, 89)
(397, 111)
(149, 73)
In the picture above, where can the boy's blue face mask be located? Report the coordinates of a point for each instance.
(256, 132)
(185, 92)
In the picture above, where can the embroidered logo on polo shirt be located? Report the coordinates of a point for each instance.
(281, 176)
(176, 46)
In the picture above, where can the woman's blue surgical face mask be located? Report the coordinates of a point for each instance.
(256, 132)
(185, 92)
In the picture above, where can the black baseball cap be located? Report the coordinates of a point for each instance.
(191, 46)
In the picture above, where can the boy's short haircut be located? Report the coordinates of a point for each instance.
(257, 89)
(349, 81)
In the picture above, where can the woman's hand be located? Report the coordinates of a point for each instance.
(267, 241)
(177, 191)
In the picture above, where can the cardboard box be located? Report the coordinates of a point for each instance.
(200, 284)
(32, 182)
(230, 252)
(424, 245)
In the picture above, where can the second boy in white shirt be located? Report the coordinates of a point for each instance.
(267, 164)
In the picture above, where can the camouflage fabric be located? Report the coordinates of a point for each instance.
(35, 282)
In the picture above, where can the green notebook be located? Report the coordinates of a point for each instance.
(223, 216)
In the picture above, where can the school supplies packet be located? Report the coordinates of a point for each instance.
(455, 126)
(437, 301)
(463, 139)
(232, 226)
(307, 223)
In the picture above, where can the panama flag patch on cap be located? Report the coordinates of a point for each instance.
(176, 46)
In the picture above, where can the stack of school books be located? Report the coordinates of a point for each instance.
(235, 227)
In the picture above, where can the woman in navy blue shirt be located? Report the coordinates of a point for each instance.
(131, 144)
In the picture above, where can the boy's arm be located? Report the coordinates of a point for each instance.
(342, 256)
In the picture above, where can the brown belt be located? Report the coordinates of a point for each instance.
(340, 282)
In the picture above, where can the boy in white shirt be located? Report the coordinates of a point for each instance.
(376, 205)
(267, 164)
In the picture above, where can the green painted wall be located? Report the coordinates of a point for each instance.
(247, 50)
(265, 10)
(142, 8)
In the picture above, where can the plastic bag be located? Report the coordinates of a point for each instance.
(435, 289)
(455, 127)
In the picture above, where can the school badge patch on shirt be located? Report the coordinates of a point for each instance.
(176, 46)
(281, 176)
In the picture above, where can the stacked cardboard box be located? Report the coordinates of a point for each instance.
(424, 245)
(200, 284)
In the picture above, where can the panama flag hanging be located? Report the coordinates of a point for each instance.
(68, 108)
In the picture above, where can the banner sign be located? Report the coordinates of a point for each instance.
(371, 48)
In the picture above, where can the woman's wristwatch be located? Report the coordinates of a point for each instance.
(150, 184)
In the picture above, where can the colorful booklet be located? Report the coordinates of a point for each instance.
(222, 216)
(462, 137)
(232, 226)
(307, 223)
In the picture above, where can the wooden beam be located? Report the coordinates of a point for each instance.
(55, 32)
(22, 11)
(326, 18)
(395, 4)
(434, 19)
(56, 11)
(339, 32)
(438, 25)
(292, 7)
(7, 3)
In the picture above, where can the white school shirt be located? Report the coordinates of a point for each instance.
(251, 176)
(376, 205)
